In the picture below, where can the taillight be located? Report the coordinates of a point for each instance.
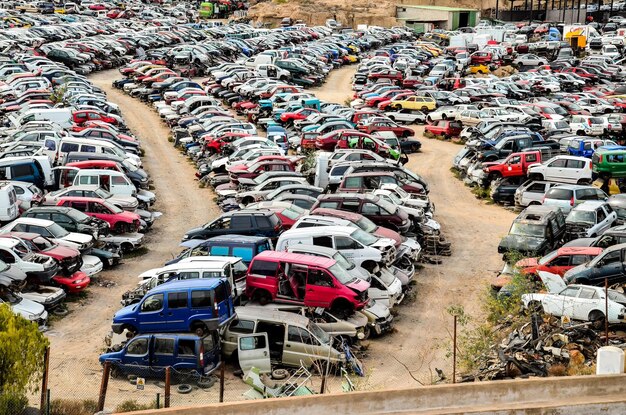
(201, 356)
(215, 314)
(571, 201)
(588, 122)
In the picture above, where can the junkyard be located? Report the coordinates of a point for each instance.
(461, 189)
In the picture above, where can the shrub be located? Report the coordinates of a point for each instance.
(12, 404)
(132, 405)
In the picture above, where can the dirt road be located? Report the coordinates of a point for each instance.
(423, 329)
(77, 339)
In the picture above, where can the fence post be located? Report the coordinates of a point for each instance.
(48, 402)
(454, 353)
(166, 402)
(324, 373)
(222, 382)
(44, 379)
(158, 401)
(103, 385)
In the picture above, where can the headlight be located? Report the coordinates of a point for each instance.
(79, 281)
(185, 237)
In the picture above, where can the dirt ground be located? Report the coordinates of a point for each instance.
(423, 328)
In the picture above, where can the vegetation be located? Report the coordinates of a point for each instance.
(73, 407)
(22, 348)
(132, 405)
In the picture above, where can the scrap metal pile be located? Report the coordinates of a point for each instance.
(541, 348)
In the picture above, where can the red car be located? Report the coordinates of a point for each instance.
(329, 141)
(70, 277)
(588, 76)
(245, 166)
(559, 261)
(385, 96)
(82, 116)
(257, 169)
(387, 125)
(215, 145)
(480, 57)
(386, 74)
(445, 128)
(301, 114)
(280, 89)
(119, 221)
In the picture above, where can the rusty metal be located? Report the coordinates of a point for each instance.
(103, 385)
(168, 380)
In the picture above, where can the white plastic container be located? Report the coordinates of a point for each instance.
(610, 361)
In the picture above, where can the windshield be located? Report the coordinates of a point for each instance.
(364, 237)
(112, 207)
(343, 261)
(549, 257)
(341, 274)
(395, 199)
(102, 193)
(390, 208)
(57, 231)
(526, 229)
(290, 214)
(366, 224)
(129, 166)
(583, 216)
(319, 333)
(9, 297)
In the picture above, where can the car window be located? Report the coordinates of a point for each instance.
(201, 298)
(579, 259)
(260, 267)
(561, 261)
(600, 215)
(242, 326)
(350, 205)
(326, 241)
(177, 300)
(329, 205)
(611, 258)
(137, 347)
(570, 292)
(163, 346)
(299, 335)
(558, 163)
(575, 164)
(588, 293)
(240, 222)
(152, 303)
(536, 188)
(186, 347)
(262, 222)
(370, 209)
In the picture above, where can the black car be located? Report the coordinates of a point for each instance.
(503, 191)
(609, 265)
(69, 219)
(241, 222)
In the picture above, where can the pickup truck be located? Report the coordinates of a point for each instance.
(514, 144)
(515, 165)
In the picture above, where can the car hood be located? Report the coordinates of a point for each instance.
(27, 308)
(61, 252)
(148, 274)
(383, 242)
(79, 238)
(124, 312)
(386, 233)
(568, 276)
(522, 243)
(358, 285)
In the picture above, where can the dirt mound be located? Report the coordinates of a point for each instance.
(349, 13)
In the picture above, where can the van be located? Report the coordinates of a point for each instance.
(148, 355)
(138, 176)
(531, 192)
(57, 149)
(260, 337)
(362, 248)
(112, 181)
(196, 305)
(31, 169)
(304, 279)
(60, 116)
(9, 204)
(241, 246)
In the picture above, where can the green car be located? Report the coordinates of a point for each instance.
(609, 161)
(206, 10)
(375, 146)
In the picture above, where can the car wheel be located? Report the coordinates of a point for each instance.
(200, 329)
(415, 148)
(184, 389)
(120, 227)
(597, 319)
(444, 117)
(424, 109)
(280, 374)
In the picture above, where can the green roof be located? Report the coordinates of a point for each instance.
(440, 8)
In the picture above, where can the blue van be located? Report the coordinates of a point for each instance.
(24, 169)
(244, 247)
(197, 305)
(148, 355)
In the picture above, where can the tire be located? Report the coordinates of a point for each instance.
(248, 200)
(184, 389)
(280, 374)
(392, 118)
(120, 227)
(583, 182)
(424, 109)
(60, 311)
(534, 203)
(580, 132)
(206, 383)
(367, 332)
(406, 134)
(263, 297)
(597, 319)
(414, 148)
(200, 329)
(115, 372)
(132, 379)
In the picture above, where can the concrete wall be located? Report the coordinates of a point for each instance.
(421, 15)
(582, 395)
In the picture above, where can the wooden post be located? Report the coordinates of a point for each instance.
(166, 400)
(606, 310)
(104, 384)
(454, 353)
(324, 373)
(44, 379)
(221, 382)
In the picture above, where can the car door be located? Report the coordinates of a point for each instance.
(610, 266)
(587, 301)
(561, 304)
(350, 248)
(151, 316)
(300, 348)
(555, 170)
(320, 289)
(136, 354)
(253, 351)
(602, 221)
(177, 310)
(573, 171)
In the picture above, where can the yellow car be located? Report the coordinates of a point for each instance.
(482, 69)
(352, 58)
(414, 103)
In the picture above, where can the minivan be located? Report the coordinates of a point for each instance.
(57, 149)
(9, 205)
(568, 196)
(531, 192)
(30, 169)
(112, 181)
(304, 279)
(260, 337)
(196, 305)
(364, 249)
(148, 355)
(244, 247)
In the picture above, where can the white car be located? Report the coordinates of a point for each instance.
(595, 105)
(564, 169)
(50, 230)
(590, 219)
(578, 302)
(586, 125)
(27, 193)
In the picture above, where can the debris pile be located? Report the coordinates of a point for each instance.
(543, 348)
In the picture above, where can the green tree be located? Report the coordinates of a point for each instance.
(22, 348)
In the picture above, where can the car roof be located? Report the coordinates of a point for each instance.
(256, 212)
(260, 312)
(579, 250)
(33, 221)
(242, 239)
(298, 258)
(589, 205)
(208, 283)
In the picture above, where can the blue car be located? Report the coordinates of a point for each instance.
(195, 305)
(148, 355)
